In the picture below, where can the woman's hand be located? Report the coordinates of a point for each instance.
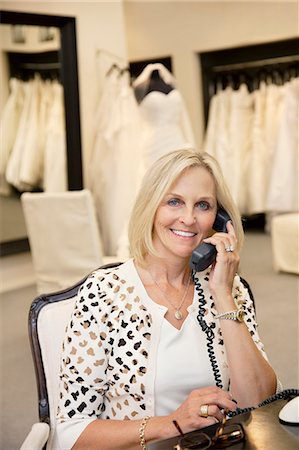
(227, 260)
(188, 414)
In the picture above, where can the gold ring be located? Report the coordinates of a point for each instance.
(204, 411)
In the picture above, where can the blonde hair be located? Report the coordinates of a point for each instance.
(157, 182)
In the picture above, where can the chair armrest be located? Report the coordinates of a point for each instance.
(37, 437)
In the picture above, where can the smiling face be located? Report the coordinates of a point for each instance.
(186, 214)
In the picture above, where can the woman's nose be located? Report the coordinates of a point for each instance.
(187, 217)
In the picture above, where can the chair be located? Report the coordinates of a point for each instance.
(64, 237)
(284, 240)
(48, 316)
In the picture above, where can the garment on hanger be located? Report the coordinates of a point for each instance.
(240, 132)
(116, 164)
(14, 163)
(8, 130)
(55, 164)
(254, 137)
(34, 155)
(217, 139)
(128, 137)
(30, 172)
(283, 186)
(165, 119)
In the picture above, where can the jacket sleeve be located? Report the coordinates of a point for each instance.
(84, 363)
(243, 298)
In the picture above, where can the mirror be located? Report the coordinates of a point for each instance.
(68, 76)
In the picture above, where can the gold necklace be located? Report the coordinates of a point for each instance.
(178, 314)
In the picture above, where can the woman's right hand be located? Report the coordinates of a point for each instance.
(188, 414)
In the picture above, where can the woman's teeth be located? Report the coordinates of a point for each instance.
(183, 233)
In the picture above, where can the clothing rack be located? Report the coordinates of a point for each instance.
(275, 61)
(258, 63)
(25, 65)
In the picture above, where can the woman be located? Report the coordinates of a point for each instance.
(145, 345)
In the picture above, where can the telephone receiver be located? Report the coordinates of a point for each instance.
(204, 254)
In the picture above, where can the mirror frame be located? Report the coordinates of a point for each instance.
(69, 80)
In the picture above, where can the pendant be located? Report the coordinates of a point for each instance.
(178, 315)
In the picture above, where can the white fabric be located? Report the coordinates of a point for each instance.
(116, 163)
(55, 166)
(228, 137)
(217, 140)
(8, 129)
(52, 322)
(285, 239)
(33, 154)
(37, 437)
(240, 128)
(211, 134)
(165, 121)
(181, 367)
(254, 137)
(14, 163)
(283, 187)
(63, 236)
(30, 173)
(258, 158)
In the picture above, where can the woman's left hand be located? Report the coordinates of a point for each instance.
(227, 260)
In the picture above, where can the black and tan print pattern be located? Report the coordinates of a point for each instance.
(105, 351)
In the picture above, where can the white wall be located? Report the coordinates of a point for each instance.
(182, 29)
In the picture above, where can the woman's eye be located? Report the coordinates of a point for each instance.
(174, 202)
(203, 205)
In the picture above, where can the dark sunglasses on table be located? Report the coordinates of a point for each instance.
(225, 435)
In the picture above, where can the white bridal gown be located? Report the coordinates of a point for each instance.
(166, 124)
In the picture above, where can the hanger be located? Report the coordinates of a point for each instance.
(120, 70)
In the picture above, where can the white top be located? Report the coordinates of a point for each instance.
(180, 367)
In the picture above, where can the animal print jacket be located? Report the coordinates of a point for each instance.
(109, 352)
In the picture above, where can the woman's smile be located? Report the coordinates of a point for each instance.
(183, 234)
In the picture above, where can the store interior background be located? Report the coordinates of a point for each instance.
(138, 30)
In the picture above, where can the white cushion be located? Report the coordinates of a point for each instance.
(37, 437)
(64, 237)
(285, 242)
(52, 322)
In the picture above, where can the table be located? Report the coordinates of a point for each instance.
(262, 428)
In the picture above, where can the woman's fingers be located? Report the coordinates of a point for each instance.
(224, 241)
(214, 411)
(203, 407)
(220, 401)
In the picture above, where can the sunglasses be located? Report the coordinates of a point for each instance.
(226, 434)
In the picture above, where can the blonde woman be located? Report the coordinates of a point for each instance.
(150, 342)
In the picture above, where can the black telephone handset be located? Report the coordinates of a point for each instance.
(205, 254)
